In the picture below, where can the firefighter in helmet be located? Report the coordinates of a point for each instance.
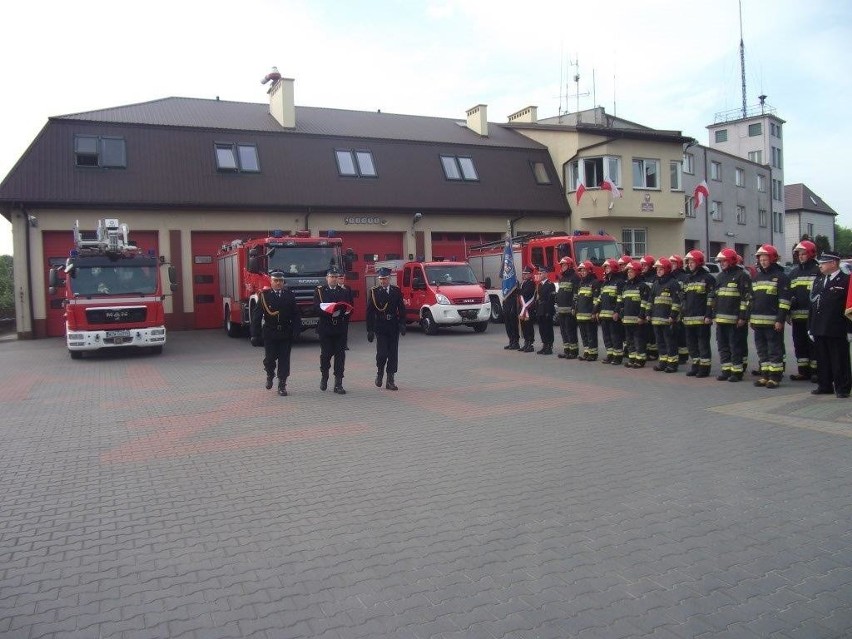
(606, 311)
(633, 311)
(648, 277)
(733, 304)
(665, 312)
(699, 295)
(802, 277)
(587, 293)
(565, 311)
(679, 273)
(770, 307)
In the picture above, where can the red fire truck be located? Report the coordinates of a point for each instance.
(243, 269)
(539, 249)
(113, 293)
(438, 294)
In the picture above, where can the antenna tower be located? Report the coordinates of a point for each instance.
(742, 59)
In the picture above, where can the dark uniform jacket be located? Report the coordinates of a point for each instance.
(584, 300)
(545, 297)
(339, 323)
(634, 301)
(527, 293)
(733, 296)
(276, 318)
(801, 281)
(770, 296)
(699, 296)
(385, 310)
(569, 281)
(609, 297)
(665, 300)
(828, 305)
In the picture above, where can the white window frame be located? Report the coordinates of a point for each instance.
(689, 163)
(756, 156)
(741, 214)
(630, 242)
(739, 177)
(642, 164)
(716, 211)
(715, 170)
(689, 207)
(676, 175)
(577, 171)
(761, 183)
(761, 218)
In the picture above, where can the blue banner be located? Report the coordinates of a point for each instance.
(510, 279)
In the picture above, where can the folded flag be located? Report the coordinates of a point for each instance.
(525, 308)
(335, 309)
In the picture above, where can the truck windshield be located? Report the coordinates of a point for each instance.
(596, 251)
(120, 279)
(450, 274)
(304, 260)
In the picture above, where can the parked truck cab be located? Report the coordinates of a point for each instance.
(439, 294)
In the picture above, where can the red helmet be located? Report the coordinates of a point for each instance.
(648, 260)
(634, 265)
(664, 263)
(624, 260)
(728, 255)
(740, 259)
(567, 261)
(676, 260)
(808, 247)
(696, 256)
(612, 264)
(587, 264)
(767, 249)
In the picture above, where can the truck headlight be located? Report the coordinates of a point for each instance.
(441, 298)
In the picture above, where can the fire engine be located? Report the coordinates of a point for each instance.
(438, 294)
(243, 269)
(540, 249)
(113, 292)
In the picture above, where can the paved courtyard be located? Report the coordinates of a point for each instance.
(495, 495)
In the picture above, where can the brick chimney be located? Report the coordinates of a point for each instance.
(477, 119)
(282, 103)
(527, 115)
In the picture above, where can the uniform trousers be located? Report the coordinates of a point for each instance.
(634, 340)
(333, 346)
(528, 330)
(568, 330)
(770, 351)
(698, 343)
(589, 335)
(510, 320)
(804, 348)
(666, 343)
(832, 356)
(277, 351)
(387, 352)
(545, 329)
(613, 337)
(729, 343)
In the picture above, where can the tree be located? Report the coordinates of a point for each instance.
(7, 287)
(822, 244)
(843, 240)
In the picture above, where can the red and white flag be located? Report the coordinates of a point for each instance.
(581, 188)
(609, 185)
(524, 313)
(701, 193)
(335, 309)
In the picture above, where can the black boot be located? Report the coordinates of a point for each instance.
(390, 385)
(723, 376)
(379, 378)
(692, 372)
(703, 371)
(528, 347)
(324, 381)
(515, 346)
(269, 378)
(338, 385)
(616, 361)
(510, 346)
(282, 387)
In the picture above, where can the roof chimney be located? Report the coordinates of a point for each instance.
(282, 103)
(528, 114)
(477, 119)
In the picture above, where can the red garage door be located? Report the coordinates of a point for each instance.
(206, 300)
(368, 247)
(57, 245)
(454, 246)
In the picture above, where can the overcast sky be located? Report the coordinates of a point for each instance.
(669, 64)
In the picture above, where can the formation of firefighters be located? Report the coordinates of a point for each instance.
(662, 310)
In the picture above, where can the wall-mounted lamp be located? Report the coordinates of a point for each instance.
(33, 220)
(417, 217)
(729, 234)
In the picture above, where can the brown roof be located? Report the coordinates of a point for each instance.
(171, 162)
(798, 197)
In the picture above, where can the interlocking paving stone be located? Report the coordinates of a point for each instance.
(495, 495)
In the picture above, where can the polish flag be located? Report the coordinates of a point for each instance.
(581, 188)
(701, 193)
(335, 309)
(524, 313)
(609, 185)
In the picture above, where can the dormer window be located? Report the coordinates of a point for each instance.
(355, 163)
(459, 168)
(540, 173)
(97, 151)
(237, 158)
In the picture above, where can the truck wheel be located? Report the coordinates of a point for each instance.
(480, 327)
(427, 323)
(232, 328)
(76, 354)
(156, 350)
(496, 310)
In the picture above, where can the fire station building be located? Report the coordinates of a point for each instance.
(189, 175)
